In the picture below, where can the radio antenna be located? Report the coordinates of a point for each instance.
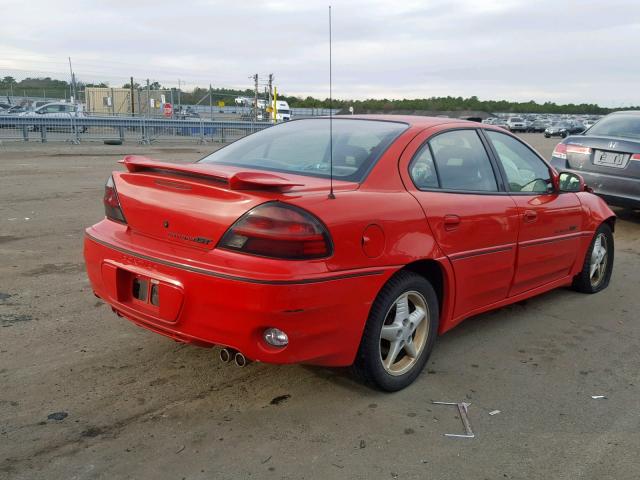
(331, 195)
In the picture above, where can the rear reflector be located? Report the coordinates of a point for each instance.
(560, 151)
(278, 230)
(636, 157)
(112, 208)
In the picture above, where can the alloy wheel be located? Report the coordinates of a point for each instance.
(599, 259)
(404, 333)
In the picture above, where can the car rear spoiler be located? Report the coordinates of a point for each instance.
(249, 180)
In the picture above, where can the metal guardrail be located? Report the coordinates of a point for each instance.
(143, 130)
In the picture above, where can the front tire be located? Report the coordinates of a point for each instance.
(400, 333)
(598, 263)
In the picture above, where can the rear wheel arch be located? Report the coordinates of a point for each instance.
(611, 221)
(432, 271)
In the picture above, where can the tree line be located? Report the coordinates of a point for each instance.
(61, 89)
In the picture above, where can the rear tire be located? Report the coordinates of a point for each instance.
(598, 262)
(391, 358)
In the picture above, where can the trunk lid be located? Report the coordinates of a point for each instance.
(195, 204)
(608, 155)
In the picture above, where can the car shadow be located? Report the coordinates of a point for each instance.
(627, 214)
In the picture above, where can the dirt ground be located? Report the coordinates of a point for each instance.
(87, 395)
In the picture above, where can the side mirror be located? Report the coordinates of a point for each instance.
(571, 182)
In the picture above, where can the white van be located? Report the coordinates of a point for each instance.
(282, 111)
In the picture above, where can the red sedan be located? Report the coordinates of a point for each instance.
(431, 221)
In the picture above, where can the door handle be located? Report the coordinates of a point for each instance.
(530, 215)
(451, 222)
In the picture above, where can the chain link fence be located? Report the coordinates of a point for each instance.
(77, 129)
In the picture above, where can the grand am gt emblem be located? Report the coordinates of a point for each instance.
(189, 238)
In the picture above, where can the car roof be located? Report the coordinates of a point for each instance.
(412, 120)
(626, 112)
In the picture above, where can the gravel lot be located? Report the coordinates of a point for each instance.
(86, 395)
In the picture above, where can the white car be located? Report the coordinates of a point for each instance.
(516, 124)
(56, 109)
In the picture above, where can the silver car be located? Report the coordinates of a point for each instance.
(56, 110)
(607, 155)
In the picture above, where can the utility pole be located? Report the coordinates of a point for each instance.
(148, 99)
(179, 102)
(133, 108)
(73, 82)
(211, 101)
(271, 103)
(255, 97)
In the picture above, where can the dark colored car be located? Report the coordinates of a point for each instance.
(563, 129)
(608, 157)
(538, 126)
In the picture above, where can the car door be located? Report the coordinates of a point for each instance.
(473, 219)
(550, 222)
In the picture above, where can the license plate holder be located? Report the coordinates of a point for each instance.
(610, 159)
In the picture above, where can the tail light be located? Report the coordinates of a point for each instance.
(560, 151)
(112, 208)
(579, 149)
(636, 157)
(278, 230)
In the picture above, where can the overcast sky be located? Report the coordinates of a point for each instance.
(562, 51)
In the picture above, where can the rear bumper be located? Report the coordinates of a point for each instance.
(323, 317)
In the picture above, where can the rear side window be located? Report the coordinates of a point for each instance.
(422, 169)
(525, 171)
(462, 162)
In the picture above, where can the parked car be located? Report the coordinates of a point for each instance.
(538, 126)
(563, 129)
(501, 122)
(428, 221)
(56, 110)
(516, 124)
(8, 114)
(608, 156)
(39, 103)
(14, 110)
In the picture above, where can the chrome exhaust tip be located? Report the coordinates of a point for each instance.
(240, 359)
(226, 355)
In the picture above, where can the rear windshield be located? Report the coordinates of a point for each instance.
(617, 126)
(302, 147)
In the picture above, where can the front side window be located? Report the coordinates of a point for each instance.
(525, 171)
(462, 162)
(302, 147)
